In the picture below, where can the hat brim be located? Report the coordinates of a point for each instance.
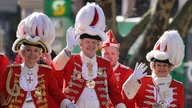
(17, 44)
(85, 35)
(162, 61)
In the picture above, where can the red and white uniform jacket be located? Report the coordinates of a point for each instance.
(148, 94)
(76, 82)
(122, 73)
(42, 92)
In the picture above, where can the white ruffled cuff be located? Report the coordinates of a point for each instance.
(131, 87)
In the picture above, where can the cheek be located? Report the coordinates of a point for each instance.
(40, 54)
(168, 70)
(106, 55)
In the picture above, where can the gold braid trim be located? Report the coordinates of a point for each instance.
(15, 91)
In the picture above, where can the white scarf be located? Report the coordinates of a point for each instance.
(165, 93)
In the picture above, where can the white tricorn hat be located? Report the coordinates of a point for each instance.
(169, 48)
(90, 22)
(37, 30)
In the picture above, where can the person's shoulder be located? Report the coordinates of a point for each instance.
(103, 59)
(3, 55)
(177, 82)
(124, 67)
(75, 56)
(13, 66)
(147, 78)
(45, 66)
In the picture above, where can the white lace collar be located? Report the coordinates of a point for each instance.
(25, 70)
(28, 79)
(116, 66)
(86, 60)
(159, 80)
(163, 92)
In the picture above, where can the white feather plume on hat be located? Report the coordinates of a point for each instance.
(91, 20)
(169, 47)
(37, 28)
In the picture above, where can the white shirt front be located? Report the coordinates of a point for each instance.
(88, 98)
(28, 81)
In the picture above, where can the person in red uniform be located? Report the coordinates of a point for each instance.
(4, 62)
(110, 50)
(29, 84)
(159, 90)
(89, 79)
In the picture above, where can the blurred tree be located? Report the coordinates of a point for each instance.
(152, 26)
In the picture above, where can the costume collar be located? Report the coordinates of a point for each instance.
(86, 59)
(25, 70)
(161, 80)
(85, 71)
(28, 74)
(116, 66)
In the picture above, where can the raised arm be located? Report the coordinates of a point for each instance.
(132, 84)
(63, 57)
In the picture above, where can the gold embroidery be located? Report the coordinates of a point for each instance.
(90, 69)
(14, 91)
(90, 84)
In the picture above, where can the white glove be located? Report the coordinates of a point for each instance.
(70, 38)
(139, 71)
(71, 105)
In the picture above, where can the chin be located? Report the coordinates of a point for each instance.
(162, 75)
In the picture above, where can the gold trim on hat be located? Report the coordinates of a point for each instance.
(43, 46)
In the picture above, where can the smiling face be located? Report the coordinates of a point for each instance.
(31, 55)
(161, 69)
(89, 46)
(111, 53)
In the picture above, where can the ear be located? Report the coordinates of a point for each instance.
(21, 53)
(40, 53)
(118, 52)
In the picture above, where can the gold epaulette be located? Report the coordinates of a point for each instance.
(13, 65)
(45, 66)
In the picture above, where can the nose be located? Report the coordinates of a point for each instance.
(32, 53)
(109, 56)
(161, 67)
